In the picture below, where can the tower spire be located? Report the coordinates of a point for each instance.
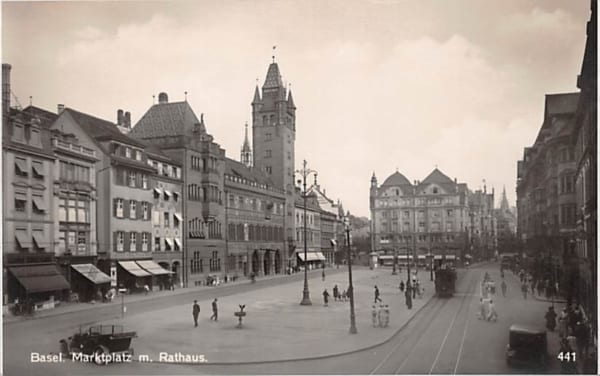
(246, 154)
(504, 203)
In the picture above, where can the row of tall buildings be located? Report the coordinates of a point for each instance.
(91, 204)
(557, 187)
(436, 216)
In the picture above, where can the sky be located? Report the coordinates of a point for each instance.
(379, 85)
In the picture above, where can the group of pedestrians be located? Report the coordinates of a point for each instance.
(487, 308)
(196, 311)
(344, 296)
(380, 315)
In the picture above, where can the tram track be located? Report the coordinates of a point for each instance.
(405, 348)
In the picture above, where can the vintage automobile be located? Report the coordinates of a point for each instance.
(100, 344)
(527, 347)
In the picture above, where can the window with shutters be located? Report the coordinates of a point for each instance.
(167, 222)
(132, 209)
(120, 241)
(131, 179)
(157, 244)
(128, 152)
(144, 181)
(145, 214)
(145, 237)
(119, 207)
(20, 202)
(156, 218)
(132, 241)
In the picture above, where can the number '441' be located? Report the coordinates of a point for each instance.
(566, 356)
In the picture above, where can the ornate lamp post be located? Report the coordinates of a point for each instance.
(350, 288)
(305, 172)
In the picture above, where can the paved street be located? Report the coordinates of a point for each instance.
(274, 318)
(444, 336)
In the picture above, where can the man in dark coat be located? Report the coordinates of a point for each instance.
(215, 314)
(195, 312)
(377, 298)
(325, 297)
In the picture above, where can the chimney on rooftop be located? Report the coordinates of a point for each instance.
(163, 98)
(5, 88)
(60, 108)
(119, 117)
(127, 120)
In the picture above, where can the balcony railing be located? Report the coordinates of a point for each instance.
(73, 147)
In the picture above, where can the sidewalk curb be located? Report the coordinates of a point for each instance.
(327, 356)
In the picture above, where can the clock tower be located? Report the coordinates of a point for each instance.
(273, 137)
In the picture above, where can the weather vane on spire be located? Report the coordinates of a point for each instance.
(274, 47)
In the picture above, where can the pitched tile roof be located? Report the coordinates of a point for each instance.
(46, 117)
(396, 179)
(439, 178)
(101, 129)
(235, 168)
(166, 119)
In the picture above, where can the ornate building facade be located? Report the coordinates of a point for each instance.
(420, 218)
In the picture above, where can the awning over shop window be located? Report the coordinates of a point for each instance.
(39, 171)
(92, 273)
(134, 268)
(40, 278)
(23, 239)
(152, 267)
(40, 239)
(21, 166)
(39, 204)
(312, 256)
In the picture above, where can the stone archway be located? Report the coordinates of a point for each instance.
(267, 263)
(277, 262)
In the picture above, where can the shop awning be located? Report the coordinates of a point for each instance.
(312, 256)
(134, 268)
(39, 171)
(39, 204)
(92, 273)
(152, 267)
(23, 239)
(40, 278)
(21, 165)
(40, 241)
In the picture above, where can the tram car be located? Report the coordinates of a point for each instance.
(445, 279)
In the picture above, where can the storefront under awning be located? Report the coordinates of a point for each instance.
(152, 267)
(312, 256)
(134, 269)
(39, 278)
(92, 273)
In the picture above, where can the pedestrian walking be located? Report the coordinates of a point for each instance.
(374, 316)
(401, 286)
(215, 311)
(524, 290)
(550, 319)
(503, 286)
(146, 289)
(581, 335)
(492, 314)
(323, 274)
(336, 293)
(344, 296)
(562, 323)
(482, 314)
(377, 298)
(195, 312)
(325, 297)
(385, 317)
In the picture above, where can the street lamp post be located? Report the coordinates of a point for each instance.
(350, 288)
(394, 272)
(305, 172)
(408, 286)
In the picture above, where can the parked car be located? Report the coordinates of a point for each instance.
(527, 346)
(100, 344)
